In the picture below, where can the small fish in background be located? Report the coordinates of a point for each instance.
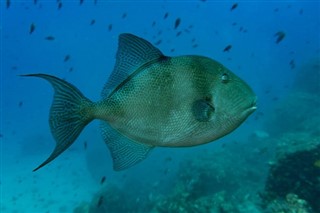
(276, 10)
(195, 46)
(100, 201)
(109, 27)
(95, 2)
(292, 64)
(35, 2)
(1, 135)
(103, 179)
(177, 23)
(32, 28)
(50, 38)
(66, 58)
(8, 3)
(85, 145)
(178, 33)
(70, 69)
(81, 2)
(20, 104)
(124, 15)
(227, 48)
(59, 5)
(158, 42)
(153, 23)
(166, 15)
(234, 6)
(280, 36)
(172, 50)
(300, 11)
(93, 21)
(168, 159)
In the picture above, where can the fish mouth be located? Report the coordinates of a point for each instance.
(252, 107)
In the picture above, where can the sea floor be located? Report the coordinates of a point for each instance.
(58, 187)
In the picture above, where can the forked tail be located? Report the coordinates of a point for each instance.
(70, 112)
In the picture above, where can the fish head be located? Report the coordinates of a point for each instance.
(232, 101)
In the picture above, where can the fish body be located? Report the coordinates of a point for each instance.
(152, 100)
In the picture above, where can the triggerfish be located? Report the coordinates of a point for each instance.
(151, 100)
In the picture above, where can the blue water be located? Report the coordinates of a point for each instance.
(255, 57)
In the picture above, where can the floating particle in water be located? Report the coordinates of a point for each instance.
(166, 15)
(178, 33)
(66, 58)
(172, 50)
(227, 48)
(177, 23)
(103, 179)
(92, 22)
(32, 28)
(280, 36)
(301, 11)
(124, 15)
(81, 2)
(110, 27)
(95, 2)
(195, 46)
(20, 104)
(50, 38)
(234, 6)
(35, 2)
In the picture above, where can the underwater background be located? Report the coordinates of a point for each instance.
(271, 163)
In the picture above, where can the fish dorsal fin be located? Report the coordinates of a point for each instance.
(133, 52)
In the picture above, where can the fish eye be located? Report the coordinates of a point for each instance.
(225, 78)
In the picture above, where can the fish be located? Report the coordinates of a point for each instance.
(124, 15)
(151, 100)
(8, 3)
(81, 2)
(280, 36)
(66, 58)
(92, 22)
(50, 38)
(234, 6)
(32, 28)
(227, 48)
(85, 145)
(59, 5)
(103, 179)
(110, 27)
(166, 15)
(177, 23)
(100, 201)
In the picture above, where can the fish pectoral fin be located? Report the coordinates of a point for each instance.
(125, 152)
(202, 110)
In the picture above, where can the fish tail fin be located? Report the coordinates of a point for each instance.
(70, 112)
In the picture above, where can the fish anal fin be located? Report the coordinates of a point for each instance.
(125, 152)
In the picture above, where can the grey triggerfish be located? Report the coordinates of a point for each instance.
(152, 100)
